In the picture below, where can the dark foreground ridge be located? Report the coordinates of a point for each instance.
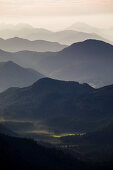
(17, 153)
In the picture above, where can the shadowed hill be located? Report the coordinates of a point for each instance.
(68, 106)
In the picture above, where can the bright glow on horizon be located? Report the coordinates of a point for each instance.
(57, 14)
(54, 7)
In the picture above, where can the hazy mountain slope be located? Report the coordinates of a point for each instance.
(63, 37)
(83, 27)
(69, 36)
(90, 61)
(13, 75)
(68, 106)
(19, 44)
(106, 33)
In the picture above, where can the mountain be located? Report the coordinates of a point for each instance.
(63, 37)
(70, 36)
(64, 106)
(106, 33)
(90, 61)
(83, 27)
(13, 75)
(19, 44)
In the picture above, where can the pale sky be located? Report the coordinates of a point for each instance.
(29, 10)
(54, 7)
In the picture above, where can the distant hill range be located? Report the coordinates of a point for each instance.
(64, 37)
(13, 75)
(83, 27)
(90, 61)
(65, 106)
(107, 33)
(18, 44)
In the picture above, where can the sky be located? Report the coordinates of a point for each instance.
(44, 12)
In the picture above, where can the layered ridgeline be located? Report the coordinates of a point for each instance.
(64, 106)
(13, 75)
(19, 44)
(63, 37)
(90, 61)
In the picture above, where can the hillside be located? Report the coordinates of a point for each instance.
(64, 106)
(13, 75)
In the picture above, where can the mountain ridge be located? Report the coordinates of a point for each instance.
(11, 74)
(18, 44)
(66, 36)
